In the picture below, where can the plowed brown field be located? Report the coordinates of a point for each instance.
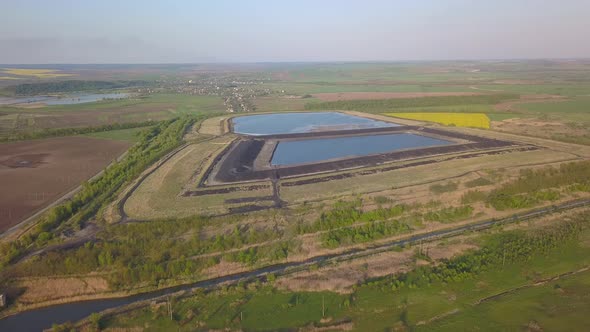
(33, 174)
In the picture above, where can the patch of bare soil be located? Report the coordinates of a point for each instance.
(35, 173)
(386, 95)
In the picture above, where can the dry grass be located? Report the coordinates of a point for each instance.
(214, 126)
(123, 329)
(48, 289)
(159, 196)
(541, 128)
(341, 277)
(224, 268)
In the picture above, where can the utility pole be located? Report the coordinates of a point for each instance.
(169, 308)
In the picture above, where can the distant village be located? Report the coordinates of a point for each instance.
(238, 95)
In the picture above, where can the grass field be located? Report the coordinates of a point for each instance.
(154, 107)
(474, 120)
(577, 105)
(553, 89)
(556, 306)
(441, 306)
(418, 306)
(130, 135)
(475, 108)
(301, 88)
(505, 116)
(159, 195)
(277, 104)
(181, 103)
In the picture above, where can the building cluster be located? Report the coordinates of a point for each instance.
(238, 94)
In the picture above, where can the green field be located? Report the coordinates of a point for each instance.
(178, 102)
(571, 89)
(561, 305)
(301, 88)
(130, 135)
(577, 105)
(155, 107)
(374, 306)
(167, 231)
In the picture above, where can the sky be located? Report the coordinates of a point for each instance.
(175, 31)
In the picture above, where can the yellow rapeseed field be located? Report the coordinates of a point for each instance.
(475, 120)
(39, 73)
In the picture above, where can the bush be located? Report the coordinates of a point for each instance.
(478, 183)
(440, 188)
(473, 196)
(502, 248)
(450, 214)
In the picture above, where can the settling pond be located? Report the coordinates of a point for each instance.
(287, 152)
(295, 123)
(315, 150)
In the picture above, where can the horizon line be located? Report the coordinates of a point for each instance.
(299, 61)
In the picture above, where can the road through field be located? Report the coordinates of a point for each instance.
(38, 319)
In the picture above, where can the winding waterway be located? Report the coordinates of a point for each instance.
(42, 318)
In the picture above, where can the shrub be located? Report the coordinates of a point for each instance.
(440, 188)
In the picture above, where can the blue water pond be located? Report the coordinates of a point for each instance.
(315, 150)
(291, 123)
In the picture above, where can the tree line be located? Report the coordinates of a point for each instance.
(96, 194)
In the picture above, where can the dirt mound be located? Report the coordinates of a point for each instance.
(25, 160)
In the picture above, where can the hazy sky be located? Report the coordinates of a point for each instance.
(144, 31)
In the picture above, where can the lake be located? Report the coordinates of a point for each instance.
(293, 123)
(65, 100)
(321, 149)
